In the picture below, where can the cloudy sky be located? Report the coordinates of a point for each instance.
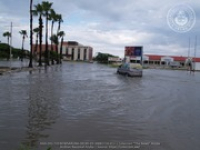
(110, 25)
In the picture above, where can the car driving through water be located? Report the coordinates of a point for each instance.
(130, 69)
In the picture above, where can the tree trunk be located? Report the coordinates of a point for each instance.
(59, 22)
(40, 38)
(22, 51)
(61, 50)
(46, 38)
(31, 35)
(36, 45)
(52, 61)
(8, 40)
(57, 54)
(9, 47)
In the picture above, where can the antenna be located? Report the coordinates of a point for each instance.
(195, 46)
(189, 49)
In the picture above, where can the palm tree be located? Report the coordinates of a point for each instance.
(46, 6)
(31, 35)
(61, 34)
(24, 35)
(36, 31)
(8, 35)
(54, 39)
(60, 20)
(38, 12)
(53, 17)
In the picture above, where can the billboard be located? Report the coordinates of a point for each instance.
(133, 51)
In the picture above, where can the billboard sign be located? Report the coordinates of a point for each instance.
(133, 51)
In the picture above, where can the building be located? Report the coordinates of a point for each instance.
(160, 60)
(165, 60)
(71, 50)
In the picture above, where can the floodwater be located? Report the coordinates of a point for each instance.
(82, 102)
(15, 63)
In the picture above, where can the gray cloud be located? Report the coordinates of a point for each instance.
(112, 24)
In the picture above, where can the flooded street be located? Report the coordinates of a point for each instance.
(81, 102)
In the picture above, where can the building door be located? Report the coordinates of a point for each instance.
(79, 54)
(72, 54)
(85, 53)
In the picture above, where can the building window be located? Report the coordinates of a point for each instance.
(78, 54)
(72, 54)
(182, 64)
(150, 62)
(163, 63)
(85, 54)
(133, 61)
(67, 51)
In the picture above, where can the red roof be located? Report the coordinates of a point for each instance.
(196, 59)
(154, 57)
(43, 47)
(176, 58)
(179, 58)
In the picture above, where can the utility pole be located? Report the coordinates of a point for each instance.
(189, 49)
(195, 49)
(11, 46)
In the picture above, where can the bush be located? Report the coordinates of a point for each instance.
(103, 57)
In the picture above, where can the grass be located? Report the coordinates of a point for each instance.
(114, 65)
(22, 147)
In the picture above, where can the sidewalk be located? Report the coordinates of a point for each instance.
(5, 70)
(16, 66)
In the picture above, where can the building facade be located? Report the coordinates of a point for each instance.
(77, 52)
(71, 50)
(166, 60)
(160, 60)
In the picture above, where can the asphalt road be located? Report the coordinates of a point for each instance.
(82, 102)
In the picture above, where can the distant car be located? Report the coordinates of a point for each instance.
(175, 64)
(129, 69)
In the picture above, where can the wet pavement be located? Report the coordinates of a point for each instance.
(83, 102)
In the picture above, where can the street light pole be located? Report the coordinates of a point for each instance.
(10, 46)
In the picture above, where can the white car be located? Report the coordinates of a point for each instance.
(130, 69)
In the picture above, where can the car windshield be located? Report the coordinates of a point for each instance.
(135, 66)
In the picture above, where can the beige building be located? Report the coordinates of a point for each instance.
(72, 50)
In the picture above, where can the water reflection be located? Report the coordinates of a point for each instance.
(90, 102)
(42, 108)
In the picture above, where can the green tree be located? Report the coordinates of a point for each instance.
(103, 57)
(46, 6)
(61, 35)
(60, 20)
(38, 12)
(53, 17)
(24, 35)
(8, 35)
(54, 39)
